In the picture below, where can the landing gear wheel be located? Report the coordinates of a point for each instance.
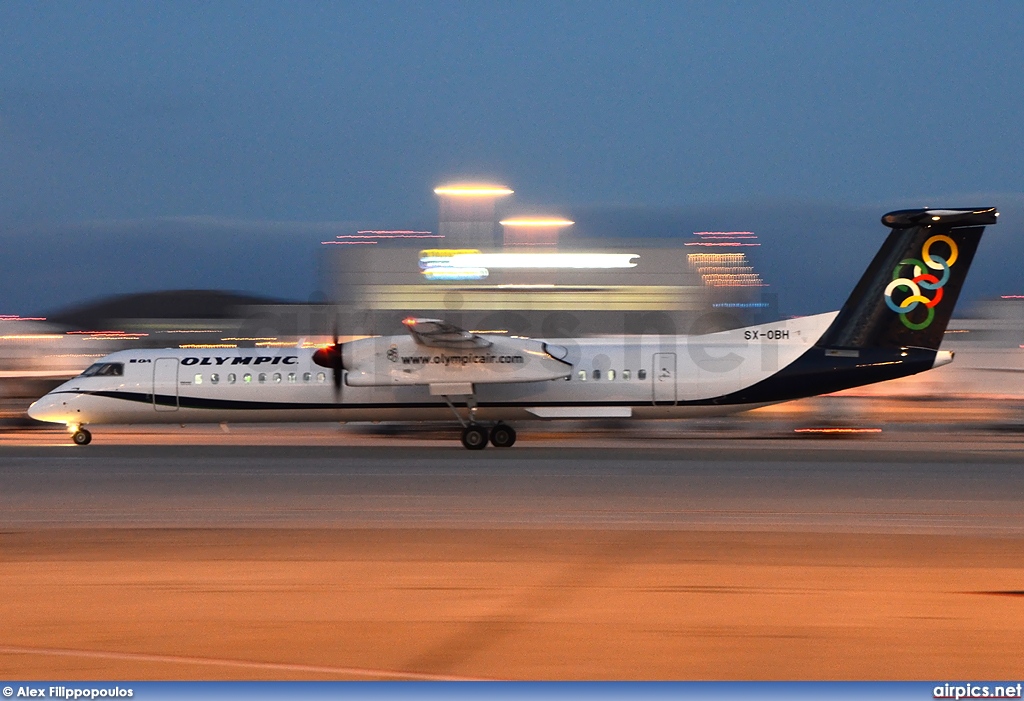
(503, 436)
(81, 437)
(474, 437)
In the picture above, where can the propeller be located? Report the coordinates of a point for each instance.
(330, 357)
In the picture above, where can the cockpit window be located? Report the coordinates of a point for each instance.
(104, 370)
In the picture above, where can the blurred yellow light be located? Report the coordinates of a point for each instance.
(536, 221)
(837, 430)
(475, 190)
(33, 336)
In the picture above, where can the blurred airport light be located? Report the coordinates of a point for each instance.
(468, 213)
(533, 231)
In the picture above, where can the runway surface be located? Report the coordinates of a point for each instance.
(322, 554)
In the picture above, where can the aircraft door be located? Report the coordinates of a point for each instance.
(663, 378)
(165, 384)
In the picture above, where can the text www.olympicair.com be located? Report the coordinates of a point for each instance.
(468, 359)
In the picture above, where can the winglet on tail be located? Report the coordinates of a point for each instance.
(906, 296)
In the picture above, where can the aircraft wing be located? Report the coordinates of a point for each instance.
(435, 333)
(450, 360)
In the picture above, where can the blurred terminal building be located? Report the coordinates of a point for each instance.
(487, 269)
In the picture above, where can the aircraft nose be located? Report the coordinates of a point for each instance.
(49, 408)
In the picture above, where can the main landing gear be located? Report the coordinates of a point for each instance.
(503, 436)
(475, 436)
(81, 437)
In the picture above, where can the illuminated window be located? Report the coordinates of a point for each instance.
(247, 377)
(307, 377)
(597, 374)
(277, 377)
(611, 374)
(583, 375)
(263, 377)
(231, 379)
(199, 378)
(625, 374)
(214, 378)
(320, 377)
(291, 378)
(641, 374)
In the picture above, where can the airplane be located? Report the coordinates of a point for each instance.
(891, 326)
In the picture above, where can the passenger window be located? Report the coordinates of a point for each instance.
(597, 374)
(231, 379)
(199, 378)
(625, 374)
(611, 374)
(641, 374)
(291, 378)
(263, 377)
(247, 377)
(320, 377)
(583, 375)
(277, 377)
(307, 376)
(214, 378)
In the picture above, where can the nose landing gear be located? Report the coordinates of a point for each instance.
(81, 437)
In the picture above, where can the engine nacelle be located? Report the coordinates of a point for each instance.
(399, 360)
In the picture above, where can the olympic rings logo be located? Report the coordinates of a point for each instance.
(922, 279)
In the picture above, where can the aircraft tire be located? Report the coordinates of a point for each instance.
(474, 437)
(503, 436)
(81, 437)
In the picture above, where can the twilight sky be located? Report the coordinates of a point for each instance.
(197, 144)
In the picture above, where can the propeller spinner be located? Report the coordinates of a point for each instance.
(330, 357)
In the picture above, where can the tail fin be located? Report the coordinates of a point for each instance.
(907, 294)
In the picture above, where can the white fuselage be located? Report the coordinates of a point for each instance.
(647, 376)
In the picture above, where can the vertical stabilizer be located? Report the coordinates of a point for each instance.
(907, 295)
